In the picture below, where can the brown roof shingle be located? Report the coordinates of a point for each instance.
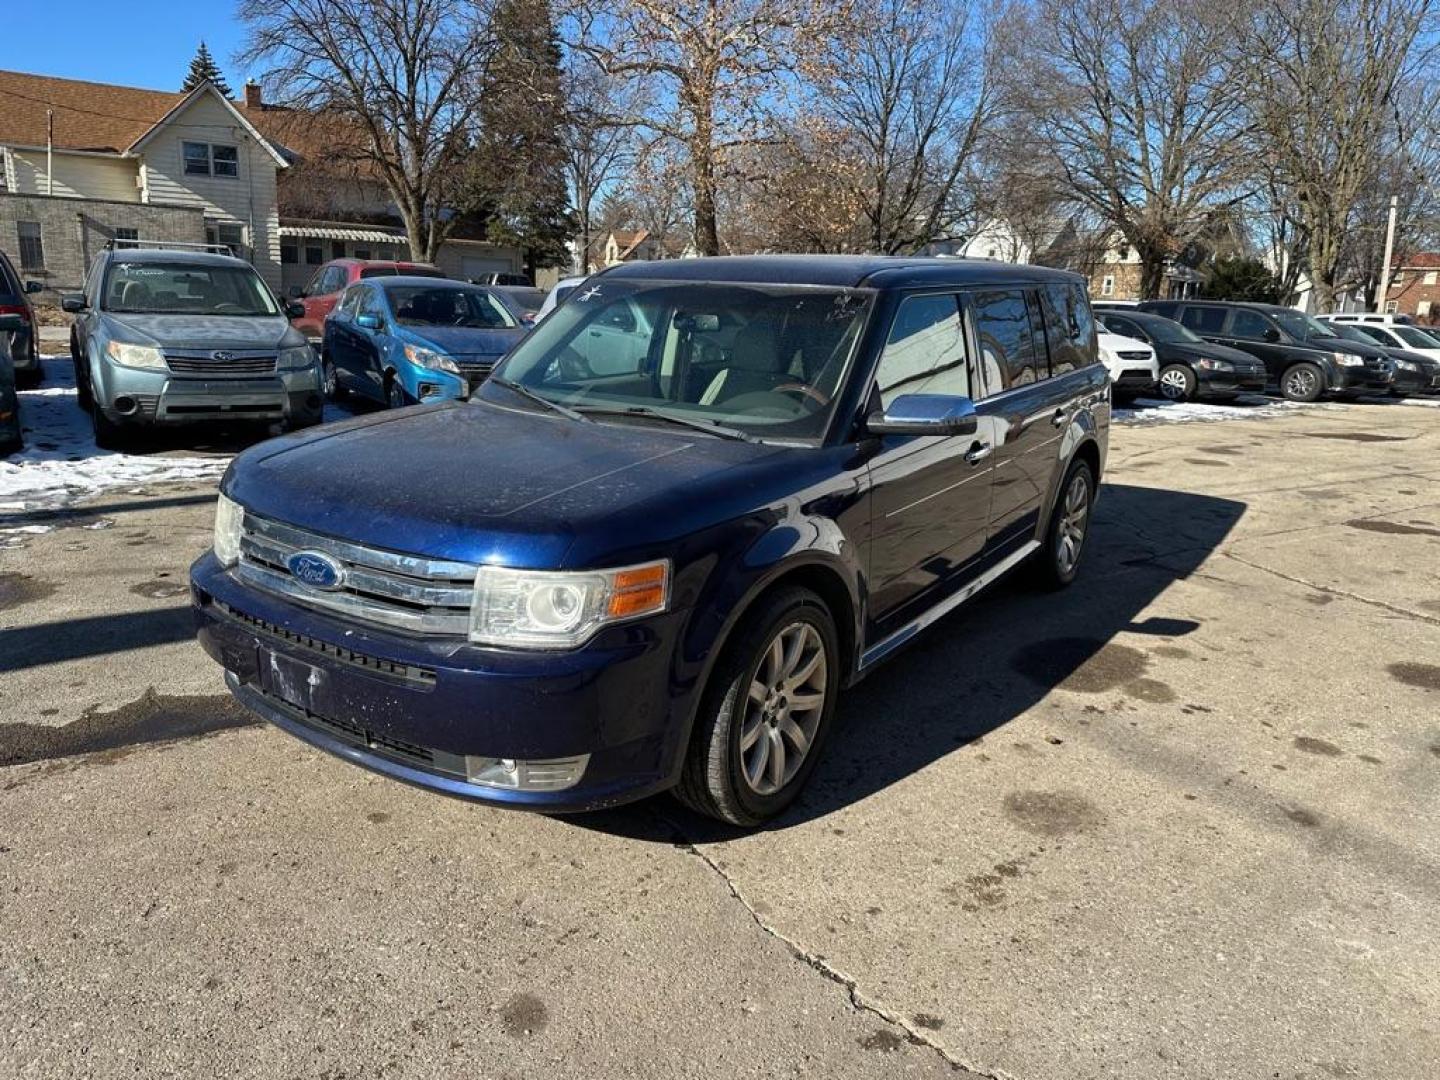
(88, 115)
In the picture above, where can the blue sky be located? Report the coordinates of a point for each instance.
(145, 43)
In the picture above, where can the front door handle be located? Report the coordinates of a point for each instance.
(978, 453)
(1058, 420)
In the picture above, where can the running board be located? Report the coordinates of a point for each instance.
(886, 646)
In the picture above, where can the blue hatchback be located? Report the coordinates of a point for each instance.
(694, 505)
(400, 340)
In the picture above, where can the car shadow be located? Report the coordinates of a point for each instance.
(976, 670)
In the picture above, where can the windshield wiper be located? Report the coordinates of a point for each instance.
(710, 427)
(539, 399)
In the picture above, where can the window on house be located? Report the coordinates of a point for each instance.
(231, 236)
(1398, 279)
(1123, 251)
(337, 249)
(362, 253)
(289, 254)
(124, 234)
(1107, 285)
(1392, 307)
(1431, 277)
(314, 255)
(32, 245)
(203, 159)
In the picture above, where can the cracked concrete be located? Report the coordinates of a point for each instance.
(1176, 822)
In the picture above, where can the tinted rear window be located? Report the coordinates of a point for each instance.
(1204, 320)
(1006, 338)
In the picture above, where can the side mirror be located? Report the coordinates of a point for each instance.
(10, 324)
(33, 287)
(925, 414)
(368, 321)
(74, 303)
(294, 310)
(296, 292)
(1271, 334)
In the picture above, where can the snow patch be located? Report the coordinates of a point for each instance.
(1247, 407)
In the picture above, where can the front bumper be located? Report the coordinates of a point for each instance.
(1131, 379)
(1362, 378)
(414, 708)
(1409, 382)
(144, 397)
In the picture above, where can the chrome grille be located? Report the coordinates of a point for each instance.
(1133, 354)
(383, 588)
(203, 362)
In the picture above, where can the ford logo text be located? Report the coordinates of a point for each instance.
(316, 569)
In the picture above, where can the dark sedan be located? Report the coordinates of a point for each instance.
(1414, 372)
(1190, 367)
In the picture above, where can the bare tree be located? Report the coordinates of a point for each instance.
(599, 144)
(1135, 105)
(909, 95)
(393, 81)
(714, 66)
(1323, 80)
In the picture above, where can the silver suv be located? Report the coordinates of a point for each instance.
(165, 336)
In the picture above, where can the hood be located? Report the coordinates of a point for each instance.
(466, 340)
(1195, 349)
(1429, 364)
(484, 482)
(1119, 343)
(177, 331)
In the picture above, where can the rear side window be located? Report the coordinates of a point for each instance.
(1248, 324)
(1008, 349)
(1069, 327)
(925, 353)
(1203, 320)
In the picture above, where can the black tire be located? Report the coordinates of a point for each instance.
(1177, 383)
(330, 381)
(1302, 382)
(395, 396)
(108, 434)
(82, 381)
(1053, 568)
(712, 781)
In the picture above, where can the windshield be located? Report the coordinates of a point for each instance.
(1300, 326)
(1169, 331)
(155, 288)
(1412, 335)
(768, 360)
(1357, 333)
(418, 305)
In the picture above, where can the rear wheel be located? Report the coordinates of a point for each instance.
(1059, 561)
(1302, 382)
(1177, 383)
(766, 712)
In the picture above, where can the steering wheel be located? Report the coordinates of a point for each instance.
(803, 390)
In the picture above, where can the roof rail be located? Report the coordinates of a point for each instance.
(169, 245)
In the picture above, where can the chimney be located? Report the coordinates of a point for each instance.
(253, 98)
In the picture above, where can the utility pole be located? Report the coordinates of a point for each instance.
(1384, 292)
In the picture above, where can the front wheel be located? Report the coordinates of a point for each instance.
(766, 712)
(108, 434)
(329, 380)
(395, 395)
(1058, 562)
(1303, 382)
(1177, 383)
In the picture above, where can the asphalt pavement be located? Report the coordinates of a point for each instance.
(1177, 821)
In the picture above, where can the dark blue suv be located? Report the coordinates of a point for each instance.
(690, 508)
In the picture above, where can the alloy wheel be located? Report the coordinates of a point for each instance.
(1173, 385)
(1300, 383)
(327, 375)
(1074, 516)
(783, 708)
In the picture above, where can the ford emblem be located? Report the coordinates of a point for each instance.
(316, 569)
(222, 355)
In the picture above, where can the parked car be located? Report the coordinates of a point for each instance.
(320, 295)
(1415, 372)
(400, 340)
(1189, 367)
(25, 341)
(524, 301)
(1372, 318)
(1303, 359)
(10, 434)
(556, 296)
(167, 336)
(1413, 339)
(1132, 364)
(672, 566)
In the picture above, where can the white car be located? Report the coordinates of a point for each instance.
(563, 288)
(1132, 364)
(1393, 335)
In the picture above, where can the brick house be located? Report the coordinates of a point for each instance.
(1415, 287)
(82, 163)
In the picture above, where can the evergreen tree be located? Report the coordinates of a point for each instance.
(203, 67)
(520, 156)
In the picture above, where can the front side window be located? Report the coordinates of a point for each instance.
(416, 305)
(1250, 325)
(925, 352)
(1004, 333)
(350, 303)
(32, 245)
(369, 303)
(1302, 327)
(769, 360)
(156, 288)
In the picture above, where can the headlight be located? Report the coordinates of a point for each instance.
(542, 609)
(296, 359)
(136, 356)
(1207, 364)
(1345, 359)
(1406, 365)
(229, 516)
(429, 358)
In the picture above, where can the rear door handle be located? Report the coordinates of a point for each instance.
(979, 453)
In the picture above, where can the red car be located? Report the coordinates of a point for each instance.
(323, 291)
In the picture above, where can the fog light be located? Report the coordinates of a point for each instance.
(547, 774)
(428, 390)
